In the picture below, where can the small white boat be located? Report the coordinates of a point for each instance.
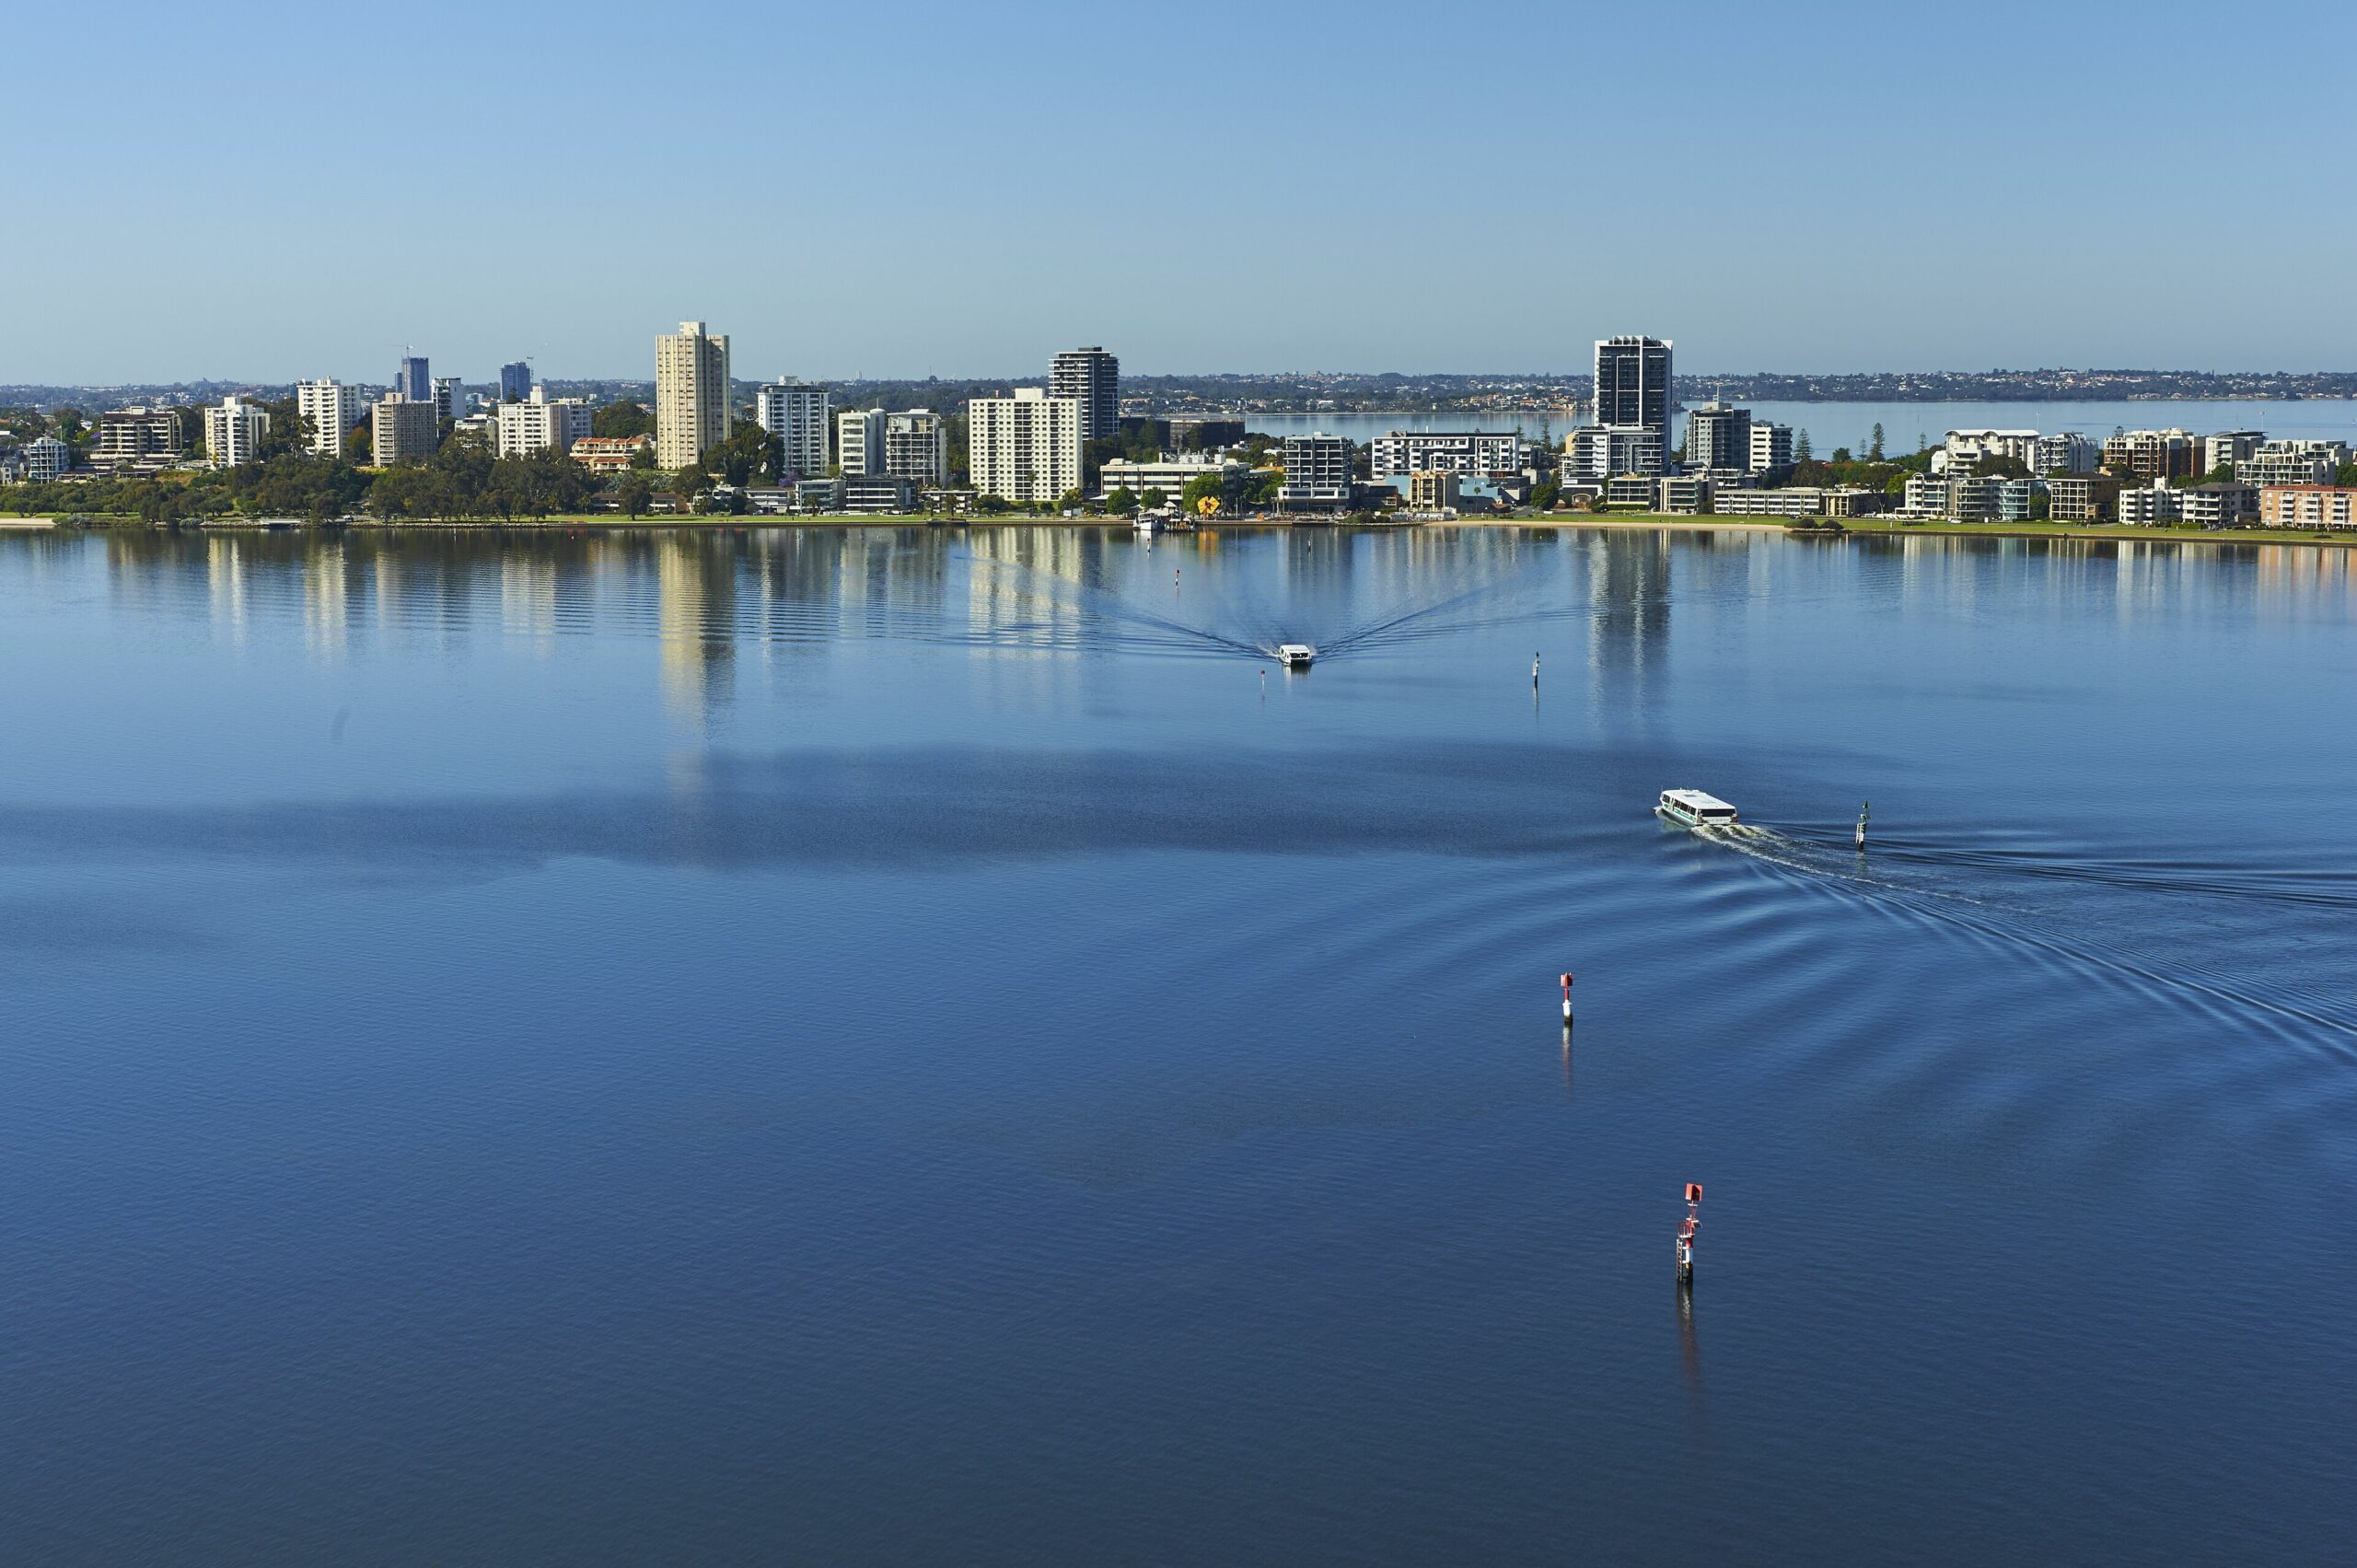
(1295, 655)
(1147, 522)
(1695, 809)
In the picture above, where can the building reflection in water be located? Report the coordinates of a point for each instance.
(696, 620)
(1628, 580)
(326, 610)
(225, 575)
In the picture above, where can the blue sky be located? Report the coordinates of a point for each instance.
(266, 191)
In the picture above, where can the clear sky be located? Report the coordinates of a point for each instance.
(265, 190)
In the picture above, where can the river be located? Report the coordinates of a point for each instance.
(904, 1045)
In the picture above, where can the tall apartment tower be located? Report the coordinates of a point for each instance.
(1092, 378)
(413, 382)
(515, 381)
(1633, 383)
(916, 446)
(859, 442)
(402, 431)
(233, 432)
(1026, 447)
(691, 395)
(1718, 435)
(449, 398)
(798, 416)
(333, 409)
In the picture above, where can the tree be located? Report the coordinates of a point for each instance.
(750, 454)
(1153, 498)
(1545, 494)
(1841, 455)
(1202, 487)
(73, 427)
(644, 458)
(621, 419)
(2346, 474)
(1121, 500)
(1874, 444)
(1070, 501)
(633, 493)
(1801, 451)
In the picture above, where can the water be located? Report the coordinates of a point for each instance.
(907, 1046)
(1831, 425)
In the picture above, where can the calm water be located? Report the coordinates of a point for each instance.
(1905, 424)
(895, 1047)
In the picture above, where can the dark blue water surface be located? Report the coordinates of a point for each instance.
(924, 1046)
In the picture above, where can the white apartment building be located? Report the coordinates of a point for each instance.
(1400, 453)
(2292, 463)
(400, 432)
(46, 459)
(859, 442)
(539, 424)
(1024, 447)
(1771, 446)
(916, 445)
(135, 436)
(1964, 449)
(2218, 505)
(2068, 453)
(1607, 451)
(332, 410)
(2150, 506)
(690, 394)
(2230, 447)
(797, 415)
(1171, 475)
(1317, 472)
(449, 398)
(233, 432)
(1799, 502)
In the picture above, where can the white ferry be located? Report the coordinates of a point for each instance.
(1695, 809)
(1295, 655)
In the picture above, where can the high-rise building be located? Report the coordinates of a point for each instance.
(332, 410)
(1771, 446)
(1317, 472)
(1633, 383)
(515, 381)
(690, 394)
(1025, 447)
(916, 445)
(402, 431)
(1718, 435)
(859, 442)
(538, 424)
(1092, 378)
(233, 432)
(798, 416)
(413, 382)
(449, 398)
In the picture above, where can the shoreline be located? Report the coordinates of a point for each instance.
(1851, 528)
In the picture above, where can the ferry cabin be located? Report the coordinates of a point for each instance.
(1695, 809)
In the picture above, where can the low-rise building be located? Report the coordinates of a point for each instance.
(2081, 498)
(1629, 490)
(540, 424)
(1606, 451)
(609, 454)
(1848, 501)
(2143, 455)
(1965, 449)
(2230, 447)
(2292, 463)
(2069, 452)
(1400, 453)
(1191, 433)
(401, 432)
(131, 435)
(2307, 507)
(1927, 496)
(2147, 506)
(817, 494)
(233, 432)
(2218, 505)
(1682, 495)
(1170, 474)
(44, 459)
(879, 493)
(1317, 472)
(1799, 501)
(1435, 490)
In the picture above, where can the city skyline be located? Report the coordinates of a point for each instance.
(1932, 195)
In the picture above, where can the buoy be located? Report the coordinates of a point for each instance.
(1534, 671)
(1687, 1229)
(1863, 808)
(1567, 1001)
